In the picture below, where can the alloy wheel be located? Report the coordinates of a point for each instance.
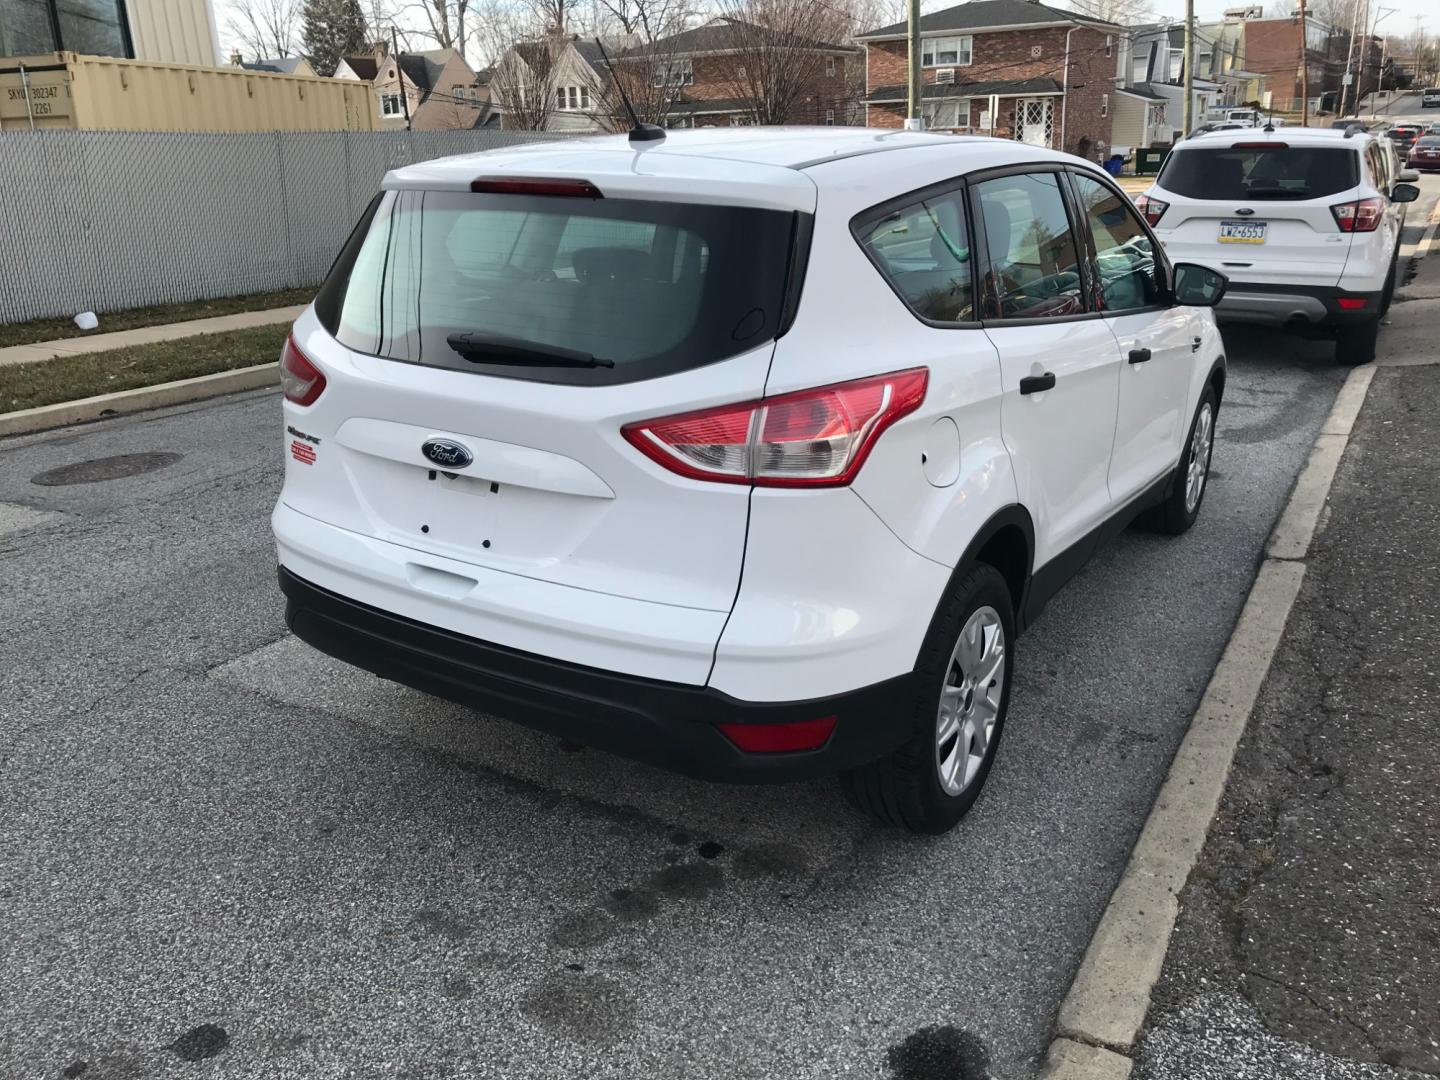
(1199, 465)
(970, 700)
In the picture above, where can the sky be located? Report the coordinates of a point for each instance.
(1401, 22)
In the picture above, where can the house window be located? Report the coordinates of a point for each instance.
(1109, 44)
(96, 27)
(1139, 68)
(829, 117)
(945, 51)
(572, 98)
(1104, 106)
(675, 73)
(1176, 59)
(829, 67)
(390, 105)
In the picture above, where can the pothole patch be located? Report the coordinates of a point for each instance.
(116, 467)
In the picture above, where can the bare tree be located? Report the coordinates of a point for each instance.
(524, 57)
(446, 20)
(778, 54)
(265, 28)
(636, 57)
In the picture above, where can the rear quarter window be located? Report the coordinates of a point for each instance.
(1238, 172)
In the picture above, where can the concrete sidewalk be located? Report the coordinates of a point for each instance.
(1308, 946)
(145, 335)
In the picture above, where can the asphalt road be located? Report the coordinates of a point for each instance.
(219, 847)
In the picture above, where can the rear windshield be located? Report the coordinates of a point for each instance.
(558, 289)
(1429, 141)
(1298, 172)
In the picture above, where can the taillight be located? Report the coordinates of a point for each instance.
(811, 438)
(301, 380)
(535, 185)
(1152, 209)
(1362, 215)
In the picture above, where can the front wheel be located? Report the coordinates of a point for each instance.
(1187, 484)
(964, 676)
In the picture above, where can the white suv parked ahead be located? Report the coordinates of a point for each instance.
(744, 453)
(1305, 223)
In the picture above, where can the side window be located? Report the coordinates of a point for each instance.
(1125, 265)
(923, 250)
(1033, 270)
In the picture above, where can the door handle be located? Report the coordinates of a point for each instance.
(1139, 356)
(1195, 344)
(1033, 384)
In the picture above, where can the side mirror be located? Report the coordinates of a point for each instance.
(1404, 192)
(1408, 176)
(1198, 286)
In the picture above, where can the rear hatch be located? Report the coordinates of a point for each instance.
(1259, 211)
(482, 350)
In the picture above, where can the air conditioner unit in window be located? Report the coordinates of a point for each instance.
(944, 75)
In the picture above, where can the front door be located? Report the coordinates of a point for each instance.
(1157, 341)
(1034, 120)
(1059, 364)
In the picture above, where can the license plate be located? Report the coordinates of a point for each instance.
(1242, 232)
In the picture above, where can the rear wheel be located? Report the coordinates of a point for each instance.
(1355, 345)
(964, 675)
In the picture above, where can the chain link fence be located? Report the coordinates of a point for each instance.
(107, 220)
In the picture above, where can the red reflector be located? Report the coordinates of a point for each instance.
(535, 185)
(301, 381)
(780, 738)
(1351, 303)
(1259, 146)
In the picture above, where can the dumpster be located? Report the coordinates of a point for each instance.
(1148, 161)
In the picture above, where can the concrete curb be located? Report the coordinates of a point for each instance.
(1106, 1006)
(66, 413)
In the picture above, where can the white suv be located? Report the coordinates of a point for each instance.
(1305, 223)
(743, 453)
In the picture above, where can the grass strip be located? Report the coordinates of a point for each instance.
(70, 378)
(28, 333)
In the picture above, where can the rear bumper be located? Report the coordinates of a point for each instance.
(671, 725)
(1306, 305)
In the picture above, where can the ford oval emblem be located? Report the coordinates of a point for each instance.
(447, 453)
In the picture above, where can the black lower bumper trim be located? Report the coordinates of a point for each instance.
(1326, 296)
(671, 725)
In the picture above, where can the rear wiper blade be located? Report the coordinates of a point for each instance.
(502, 349)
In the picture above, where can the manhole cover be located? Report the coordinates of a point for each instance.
(105, 468)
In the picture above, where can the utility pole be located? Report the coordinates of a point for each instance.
(1188, 112)
(1345, 84)
(1304, 68)
(914, 112)
(400, 74)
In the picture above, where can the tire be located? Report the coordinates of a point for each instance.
(1355, 345)
(1182, 505)
(928, 784)
(1388, 294)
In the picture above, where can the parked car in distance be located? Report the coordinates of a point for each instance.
(1342, 124)
(1305, 224)
(1425, 154)
(1430, 96)
(1404, 135)
(595, 435)
(1246, 117)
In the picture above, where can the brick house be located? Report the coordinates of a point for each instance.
(715, 75)
(1006, 55)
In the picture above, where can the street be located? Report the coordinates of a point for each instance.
(219, 845)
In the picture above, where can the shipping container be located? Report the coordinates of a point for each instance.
(103, 93)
